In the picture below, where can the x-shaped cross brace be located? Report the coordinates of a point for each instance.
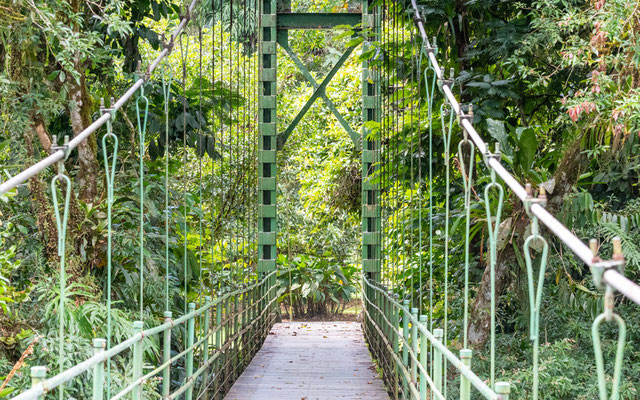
(319, 91)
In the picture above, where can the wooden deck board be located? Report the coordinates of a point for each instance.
(311, 361)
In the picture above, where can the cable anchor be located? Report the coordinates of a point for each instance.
(442, 82)
(488, 155)
(168, 45)
(65, 149)
(145, 76)
(186, 15)
(599, 266)
(468, 116)
(531, 200)
(111, 110)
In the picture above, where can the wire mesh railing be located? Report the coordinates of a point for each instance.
(221, 338)
(411, 355)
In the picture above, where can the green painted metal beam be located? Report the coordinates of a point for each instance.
(284, 43)
(317, 20)
(283, 137)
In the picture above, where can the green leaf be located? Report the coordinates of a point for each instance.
(52, 76)
(355, 41)
(498, 132)
(528, 145)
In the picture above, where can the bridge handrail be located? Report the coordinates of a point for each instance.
(475, 381)
(610, 275)
(61, 154)
(45, 386)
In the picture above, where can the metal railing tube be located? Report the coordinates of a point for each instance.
(465, 385)
(137, 361)
(503, 389)
(414, 346)
(190, 340)
(424, 344)
(166, 355)
(622, 284)
(38, 375)
(98, 370)
(437, 360)
(207, 330)
(405, 344)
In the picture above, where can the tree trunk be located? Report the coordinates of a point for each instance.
(41, 205)
(565, 177)
(80, 116)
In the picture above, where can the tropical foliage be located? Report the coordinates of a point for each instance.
(554, 82)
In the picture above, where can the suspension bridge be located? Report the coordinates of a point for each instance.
(215, 347)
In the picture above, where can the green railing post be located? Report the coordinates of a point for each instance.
(243, 324)
(38, 374)
(137, 361)
(216, 376)
(437, 360)
(166, 355)
(236, 341)
(414, 347)
(225, 342)
(405, 348)
(465, 385)
(190, 339)
(207, 327)
(98, 370)
(424, 343)
(386, 313)
(503, 389)
(396, 340)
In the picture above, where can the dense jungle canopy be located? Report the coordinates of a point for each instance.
(554, 82)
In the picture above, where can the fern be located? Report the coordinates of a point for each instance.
(630, 250)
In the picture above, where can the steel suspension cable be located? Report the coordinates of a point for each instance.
(212, 155)
(142, 133)
(221, 247)
(467, 181)
(493, 224)
(110, 172)
(416, 63)
(535, 299)
(184, 51)
(61, 226)
(446, 136)
(201, 150)
(167, 79)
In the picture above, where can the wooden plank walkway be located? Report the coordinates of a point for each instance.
(311, 361)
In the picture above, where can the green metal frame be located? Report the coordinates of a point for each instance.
(273, 30)
(317, 20)
(267, 131)
(371, 216)
(283, 41)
